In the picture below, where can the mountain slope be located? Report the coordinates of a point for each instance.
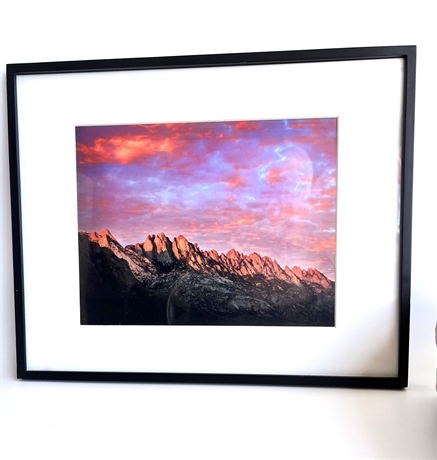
(160, 281)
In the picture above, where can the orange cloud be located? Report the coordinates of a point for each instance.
(123, 149)
(236, 181)
(315, 245)
(274, 176)
(246, 221)
(330, 192)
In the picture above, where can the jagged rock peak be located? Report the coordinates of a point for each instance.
(162, 243)
(297, 271)
(181, 242)
(148, 243)
(156, 243)
(234, 254)
(312, 275)
(103, 238)
(181, 247)
(93, 236)
(106, 232)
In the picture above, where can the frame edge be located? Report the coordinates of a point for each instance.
(276, 57)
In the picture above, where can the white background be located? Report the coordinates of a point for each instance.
(49, 420)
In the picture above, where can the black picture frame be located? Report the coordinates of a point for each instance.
(16, 94)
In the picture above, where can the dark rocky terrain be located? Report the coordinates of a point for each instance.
(175, 282)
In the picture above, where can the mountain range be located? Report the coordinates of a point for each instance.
(163, 281)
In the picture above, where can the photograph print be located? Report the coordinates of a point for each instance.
(208, 223)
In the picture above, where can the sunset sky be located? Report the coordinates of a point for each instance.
(256, 186)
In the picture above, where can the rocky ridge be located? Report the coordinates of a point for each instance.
(163, 252)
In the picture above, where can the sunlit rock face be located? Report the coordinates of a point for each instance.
(163, 281)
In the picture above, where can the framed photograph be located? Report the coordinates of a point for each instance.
(235, 218)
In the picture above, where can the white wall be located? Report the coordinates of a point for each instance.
(49, 420)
